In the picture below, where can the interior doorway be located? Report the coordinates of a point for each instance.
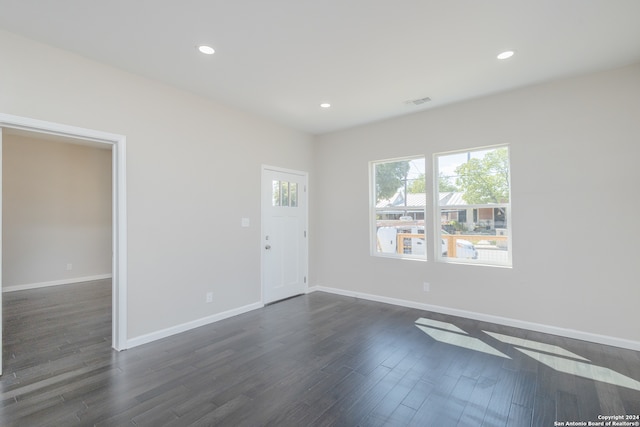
(59, 132)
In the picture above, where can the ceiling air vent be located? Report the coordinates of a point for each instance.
(418, 101)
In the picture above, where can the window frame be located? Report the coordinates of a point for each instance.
(374, 210)
(437, 210)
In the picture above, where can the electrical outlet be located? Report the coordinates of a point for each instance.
(426, 286)
(69, 267)
(209, 297)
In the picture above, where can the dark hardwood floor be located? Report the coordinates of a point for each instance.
(314, 360)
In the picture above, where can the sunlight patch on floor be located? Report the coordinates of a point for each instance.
(441, 325)
(534, 345)
(563, 360)
(460, 340)
(584, 370)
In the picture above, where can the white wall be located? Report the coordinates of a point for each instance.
(56, 211)
(575, 146)
(193, 171)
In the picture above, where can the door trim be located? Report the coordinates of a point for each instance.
(119, 206)
(305, 257)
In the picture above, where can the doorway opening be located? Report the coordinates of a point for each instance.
(43, 130)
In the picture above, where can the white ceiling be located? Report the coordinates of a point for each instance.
(282, 58)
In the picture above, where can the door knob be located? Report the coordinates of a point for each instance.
(268, 247)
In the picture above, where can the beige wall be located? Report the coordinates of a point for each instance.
(193, 171)
(575, 146)
(56, 202)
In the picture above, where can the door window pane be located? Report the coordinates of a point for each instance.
(284, 189)
(284, 194)
(293, 194)
(275, 193)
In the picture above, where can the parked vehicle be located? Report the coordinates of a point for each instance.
(387, 242)
(464, 248)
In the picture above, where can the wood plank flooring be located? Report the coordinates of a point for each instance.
(314, 360)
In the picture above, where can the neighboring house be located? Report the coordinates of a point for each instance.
(398, 206)
(453, 210)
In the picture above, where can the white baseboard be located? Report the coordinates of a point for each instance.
(153, 336)
(538, 327)
(56, 283)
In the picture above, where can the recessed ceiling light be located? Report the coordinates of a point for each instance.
(506, 54)
(207, 50)
(325, 105)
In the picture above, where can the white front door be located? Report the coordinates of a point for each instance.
(284, 229)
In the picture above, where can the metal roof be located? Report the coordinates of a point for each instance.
(419, 200)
